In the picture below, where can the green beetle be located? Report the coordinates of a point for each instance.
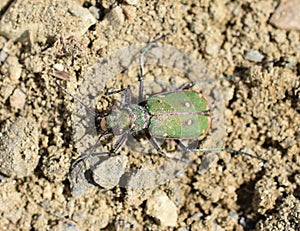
(181, 114)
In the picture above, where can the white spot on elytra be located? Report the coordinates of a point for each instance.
(187, 104)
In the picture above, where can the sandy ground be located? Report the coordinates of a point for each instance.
(79, 45)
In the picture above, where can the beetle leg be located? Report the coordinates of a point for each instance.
(155, 144)
(142, 73)
(75, 165)
(120, 142)
(141, 79)
(141, 88)
(182, 146)
(234, 151)
(85, 157)
(189, 147)
(153, 141)
(127, 96)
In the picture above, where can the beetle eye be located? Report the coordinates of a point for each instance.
(118, 131)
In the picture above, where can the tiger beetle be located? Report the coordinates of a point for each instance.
(181, 114)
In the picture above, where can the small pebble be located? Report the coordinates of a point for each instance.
(107, 174)
(17, 99)
(116, 16)
(95, 12)
(14, 68)
(212, 47)
(3, 41)
(287, 16)
(79, 183)
(129, 12)
(142, 179)
(162, 208)
(19, 147)
(213, 41)
(253, 56)
(3, 56)
(86, 19)
(234, 215)
(7, 90)
(207, 162)
(132, 2)
(64, 225)
(12, 204)
(58, 66)
(107, 3)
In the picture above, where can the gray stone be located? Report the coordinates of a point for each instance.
(253, 56)
(162, 208)
(107, 174)
(19, 147)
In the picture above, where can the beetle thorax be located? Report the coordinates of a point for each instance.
(139, 118)
(132, 118)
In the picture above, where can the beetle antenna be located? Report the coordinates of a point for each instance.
(220, 79)
(150, 44)
(77, 99)
(211, 149)
(146, 49)
(232, 151)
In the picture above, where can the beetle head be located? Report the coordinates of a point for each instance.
(118, 121)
